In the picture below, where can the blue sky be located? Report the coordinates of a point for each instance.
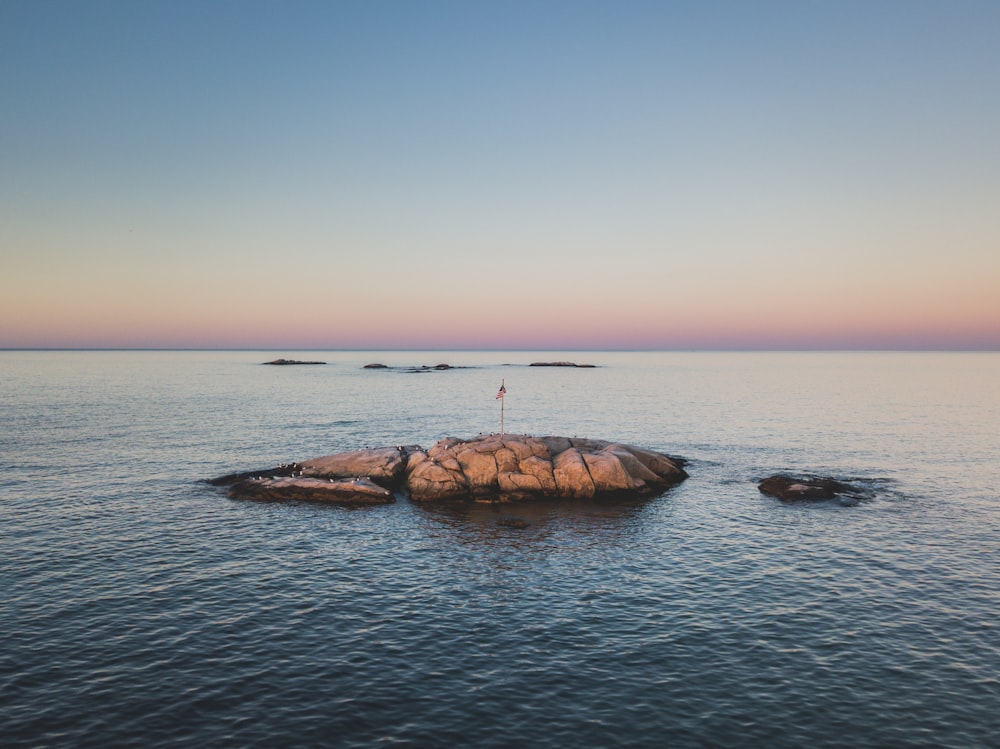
(551, 175)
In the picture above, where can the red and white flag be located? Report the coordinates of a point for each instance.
(501, 391)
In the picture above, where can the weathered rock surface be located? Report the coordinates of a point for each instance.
(288, 469)
(384, 465)
(797, 489)
(487, 468)
(336, 491)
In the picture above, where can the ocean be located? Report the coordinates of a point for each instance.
(142, 607)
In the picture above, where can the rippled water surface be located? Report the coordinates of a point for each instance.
(142, 607)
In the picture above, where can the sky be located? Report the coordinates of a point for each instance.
(524, 175)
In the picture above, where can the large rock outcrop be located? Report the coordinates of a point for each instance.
(487, 468)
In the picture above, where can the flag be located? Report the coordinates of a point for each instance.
(501, 391)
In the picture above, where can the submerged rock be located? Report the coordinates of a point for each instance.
(491, 468)
(511, 522)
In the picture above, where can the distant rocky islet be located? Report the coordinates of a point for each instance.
(441, 367)
(423, 368)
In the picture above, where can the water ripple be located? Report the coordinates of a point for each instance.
(143, 608)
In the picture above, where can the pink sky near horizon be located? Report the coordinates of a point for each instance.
(245, 320)
(344, 177)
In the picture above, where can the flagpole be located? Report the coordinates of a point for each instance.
(501, 411)
(500, 396)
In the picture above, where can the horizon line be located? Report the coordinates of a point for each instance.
(707, 349)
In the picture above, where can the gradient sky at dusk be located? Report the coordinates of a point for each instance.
(500, 175)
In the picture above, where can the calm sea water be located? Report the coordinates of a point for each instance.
(141, 607)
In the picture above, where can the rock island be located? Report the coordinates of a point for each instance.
(489, 468)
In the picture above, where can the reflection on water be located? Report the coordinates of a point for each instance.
(144, 608)
(530, 525)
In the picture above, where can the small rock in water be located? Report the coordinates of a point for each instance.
(795, 489)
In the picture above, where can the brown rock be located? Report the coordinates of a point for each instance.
(506, 459)
(383, 464)
(526, 447)
(608, 473)
(335, 491)
(588, 445)
(489, 467)
(540, 468)
(427, 480)
(792, 489)
(669, 469)
(480, 469)
(518, 486)
(571, 475)
(633, 466)
(556, 445)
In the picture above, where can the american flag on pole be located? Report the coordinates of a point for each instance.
(501, 391)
